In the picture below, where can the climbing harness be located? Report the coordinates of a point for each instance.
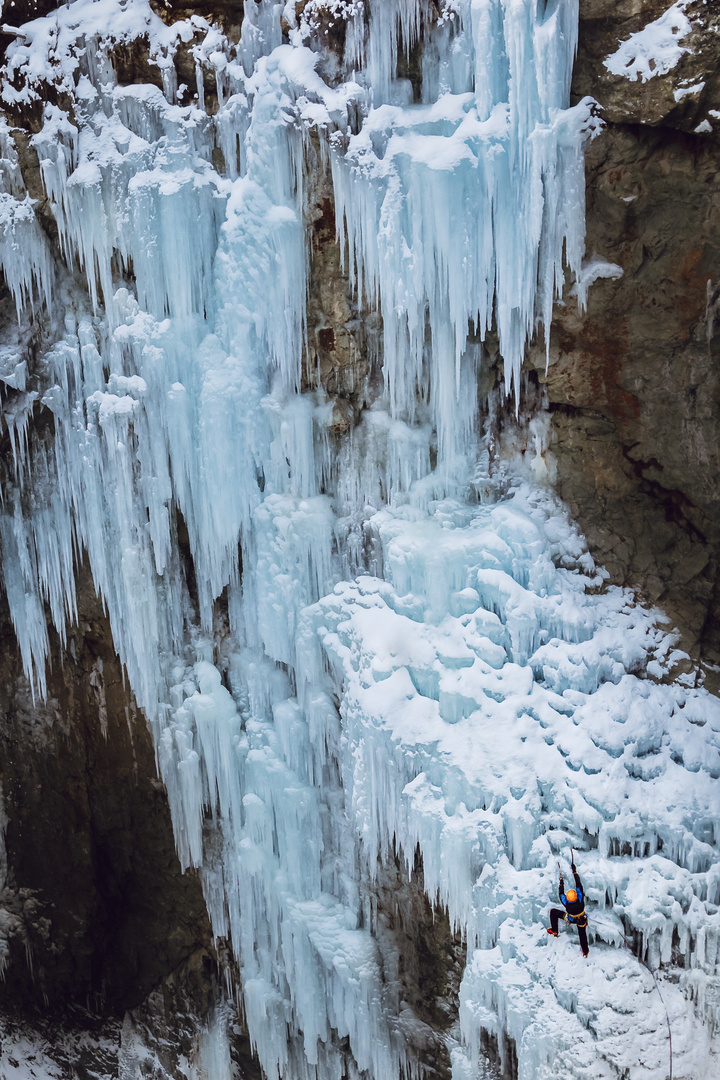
(573, 909)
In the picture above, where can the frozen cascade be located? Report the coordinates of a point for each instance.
(399, 664)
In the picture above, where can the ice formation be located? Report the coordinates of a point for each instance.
(378, 646)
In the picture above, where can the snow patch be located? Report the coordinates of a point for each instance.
(683, 91)
(654, 50)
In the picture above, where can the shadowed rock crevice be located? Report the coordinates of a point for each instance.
(424, 960)
(342, 334)
(90, 849)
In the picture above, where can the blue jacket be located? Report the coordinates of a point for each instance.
(575, 908)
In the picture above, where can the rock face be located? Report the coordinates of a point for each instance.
(109, 960)
(342, 336)
(97, 908)
(634, 382)
(431, 960)
(677, 88)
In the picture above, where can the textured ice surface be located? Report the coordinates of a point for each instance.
(490, 717)
(345, 643)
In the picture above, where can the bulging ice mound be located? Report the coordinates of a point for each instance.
(498, 711)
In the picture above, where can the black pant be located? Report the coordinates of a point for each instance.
(558, 913)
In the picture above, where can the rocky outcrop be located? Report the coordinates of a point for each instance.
(635, 84)
(634, 381)
(103, 912)
(343, 337)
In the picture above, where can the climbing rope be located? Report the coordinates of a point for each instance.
(629, 946)
(667, 1014)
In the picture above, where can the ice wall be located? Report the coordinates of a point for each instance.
(370, 641)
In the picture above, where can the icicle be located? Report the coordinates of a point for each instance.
(476, 198)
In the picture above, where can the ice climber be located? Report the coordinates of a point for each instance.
(573, 902)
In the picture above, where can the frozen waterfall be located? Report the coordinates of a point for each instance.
(383, 646)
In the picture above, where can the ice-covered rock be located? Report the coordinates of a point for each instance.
(362, 655)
